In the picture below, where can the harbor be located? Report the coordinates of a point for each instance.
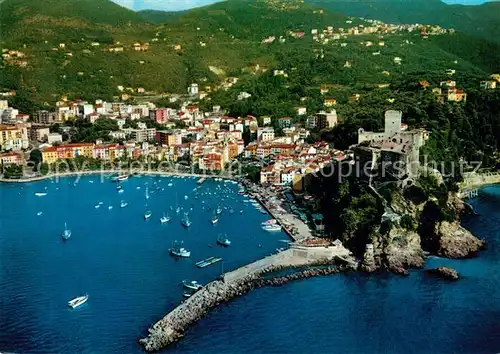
(239, 281)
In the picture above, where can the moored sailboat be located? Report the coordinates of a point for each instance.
(185, 220)
(223, 240)
(66, 233)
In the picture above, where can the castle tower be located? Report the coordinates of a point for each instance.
(392, 123)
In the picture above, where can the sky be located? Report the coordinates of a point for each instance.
(177, 5)
(165, 5)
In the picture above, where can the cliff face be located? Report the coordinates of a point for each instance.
(417, 225)
(393, 248)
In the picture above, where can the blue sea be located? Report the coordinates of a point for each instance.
(122, 262)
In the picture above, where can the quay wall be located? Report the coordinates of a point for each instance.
(238, 282)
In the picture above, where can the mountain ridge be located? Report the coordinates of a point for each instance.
(74, 57)
(480, 20)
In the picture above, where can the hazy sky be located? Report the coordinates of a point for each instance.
(175, 5)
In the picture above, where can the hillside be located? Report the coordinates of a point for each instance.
(15, 12)
(88, 54)
(159, 17)
(479, 20)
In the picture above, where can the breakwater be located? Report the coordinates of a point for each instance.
(240, 281)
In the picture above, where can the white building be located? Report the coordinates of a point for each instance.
(193, 89)
(54, 138)
(265, 134)
(302, 110)
(243, 96)
(119, 135)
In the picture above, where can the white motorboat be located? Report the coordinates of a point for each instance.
(165, 219)
(179, 251)
(274, 227)
(192, 285)
(78, 301)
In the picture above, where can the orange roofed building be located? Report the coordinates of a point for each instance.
(67, 151)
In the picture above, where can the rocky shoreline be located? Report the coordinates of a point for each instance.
(171, 328)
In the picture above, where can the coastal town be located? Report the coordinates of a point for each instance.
(157, 163)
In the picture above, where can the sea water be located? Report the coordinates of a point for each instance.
(122, 262)
(115, 256)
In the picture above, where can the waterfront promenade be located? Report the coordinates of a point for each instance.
(236, 283)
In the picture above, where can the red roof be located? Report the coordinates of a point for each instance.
(283, 146)
(10, 154)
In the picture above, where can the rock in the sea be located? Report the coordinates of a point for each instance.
(444, 272)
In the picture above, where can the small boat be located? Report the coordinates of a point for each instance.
(269, 222)
(187, 295)
(219, 210)
(191, 285)
(170, 184)
(78, 301)
(147, 214)
(274, 227)
(66, 233)
(185, 220)
(97, 206)
(185, 197)
(177, 210)
(165, 219)
(101, 203)
(179, 251)
(110, 207)
(120, 178)
(214, 220)
(223, 240)
(118, 187)
(146, 195)
(40, 194)
(123, 204)
(120, 191)
(39, 213)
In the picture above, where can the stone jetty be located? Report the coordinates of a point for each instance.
(170, 328)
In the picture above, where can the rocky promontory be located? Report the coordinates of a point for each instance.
(419, 219)
(456, 241)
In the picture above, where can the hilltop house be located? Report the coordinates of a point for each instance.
(488, 84)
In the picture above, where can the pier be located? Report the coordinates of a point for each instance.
(238, 282)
